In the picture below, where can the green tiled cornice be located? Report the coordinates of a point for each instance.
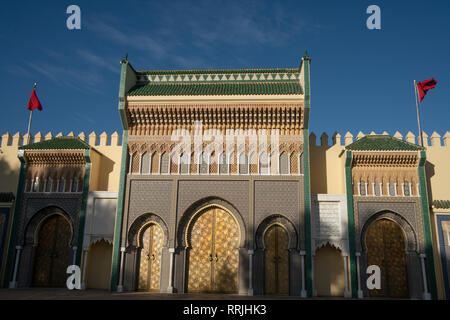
(382, 142)
(73, 143)
(441, 204)
(216, 71)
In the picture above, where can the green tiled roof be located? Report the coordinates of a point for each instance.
(217, 82)
(74, 143)
(6, 196)
(441, 204)
(382, 142)
(227, 88)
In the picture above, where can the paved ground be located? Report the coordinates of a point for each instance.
(64, 294)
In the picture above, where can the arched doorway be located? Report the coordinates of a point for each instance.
(213, 240)
(52, 252)
(385, 242)
(329, 274)
(99, 265)
(151, 242)
(276, 260)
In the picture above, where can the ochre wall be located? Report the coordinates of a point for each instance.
(329, 277)
(98, 265)
(437, 250)
(9, 163)
(327, 166)
(105, 159)
(438, 168)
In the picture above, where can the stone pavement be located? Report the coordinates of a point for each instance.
(91, 294)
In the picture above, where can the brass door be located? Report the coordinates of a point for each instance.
(52, 253)
(386, 248)
(276, 261)
(150, 258)
(214, 256)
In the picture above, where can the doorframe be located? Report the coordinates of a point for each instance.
(35, 243)
(411, 246)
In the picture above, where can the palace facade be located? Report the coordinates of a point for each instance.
(217, 185)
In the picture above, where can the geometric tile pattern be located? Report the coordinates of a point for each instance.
(150, 262)
(214, 255)
(52, 253)
(200, 254)
(408, 207)
(226, 253)
(275, 75)
(210, 82)
(276, 261)
(386, 249)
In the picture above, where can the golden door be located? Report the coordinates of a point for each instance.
(150, 258)
(386, 248)
(276, 261)
(214, 254)
(52, 253)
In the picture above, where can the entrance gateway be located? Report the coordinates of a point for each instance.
(386, 248)
(52, 252)
(213, 239)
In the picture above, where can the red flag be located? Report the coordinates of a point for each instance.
(34, 101)
(424, 86)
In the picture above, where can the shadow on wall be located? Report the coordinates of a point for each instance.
(329, 272)
(226, 280)
(8, 176)
(318, 164)
(106, 167)
(429, 172)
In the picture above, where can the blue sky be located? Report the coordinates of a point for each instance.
(360, 79)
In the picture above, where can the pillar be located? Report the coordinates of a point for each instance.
(358, 275)
(302, 255)
(426, 294)
(346, 292)
(250, 272)
(122, 256)
(13, 283)
(74, 255)
(83, 281)
(314, 292)
(170, 287)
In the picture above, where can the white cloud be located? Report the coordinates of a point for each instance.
(99, 61)
(128, 37)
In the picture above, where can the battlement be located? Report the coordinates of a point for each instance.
(435, 140)
(93, 139)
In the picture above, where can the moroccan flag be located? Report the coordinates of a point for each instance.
(424, 86)
(34, 101)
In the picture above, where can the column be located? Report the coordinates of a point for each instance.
(346, 292)
(13, 283)
(250, 272)
(358, 274)
(314, 292)
(122, 256)
(74, 259)
(426, 294)
(302, 255)
(170, 287)
(83, 282)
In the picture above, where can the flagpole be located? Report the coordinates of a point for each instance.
(31, 114)
(418, 115)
